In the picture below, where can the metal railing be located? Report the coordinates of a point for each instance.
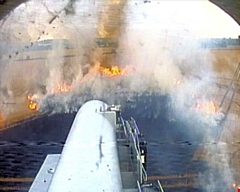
(130, 135)
(134, 132)
(124, 127)
(139, 186)
(160, 186)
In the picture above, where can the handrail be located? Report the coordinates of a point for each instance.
(124, 127)
(139, 186)
(136, 129)
(142, 167)
(135, 126)
(160, 185)
(137, 149)
(134, 132)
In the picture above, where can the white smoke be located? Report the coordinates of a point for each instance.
(219, 176)
(156, 58)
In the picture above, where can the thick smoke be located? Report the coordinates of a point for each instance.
(157, 60)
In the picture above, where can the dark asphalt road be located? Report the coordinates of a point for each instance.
(170, 146)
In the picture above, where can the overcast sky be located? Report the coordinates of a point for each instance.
(197, 18)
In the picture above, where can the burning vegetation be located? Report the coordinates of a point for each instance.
(112, 71)
(61, 88)
(33, 105)
(33, 100)
(208, 108)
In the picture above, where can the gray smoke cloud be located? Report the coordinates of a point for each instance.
(167, 61)
(220, 175)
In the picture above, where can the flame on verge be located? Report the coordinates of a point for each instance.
(208, 108)
(62, 88)
(33, 99)
(112, 71)
(33, 105)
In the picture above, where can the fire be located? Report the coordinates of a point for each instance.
(207, 107)
(33, 105)
(112, 71)
(33, 99)
(61, 88)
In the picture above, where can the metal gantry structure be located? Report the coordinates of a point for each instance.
(227, 101)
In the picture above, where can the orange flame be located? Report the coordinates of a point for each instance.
(208, 107)
(62, 88)
(33, 97)
(33, 105)
(112, 71)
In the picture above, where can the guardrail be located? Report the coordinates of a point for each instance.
(134, 133)
(139, 186)
(160, 186)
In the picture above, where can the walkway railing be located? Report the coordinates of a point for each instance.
(134, 133)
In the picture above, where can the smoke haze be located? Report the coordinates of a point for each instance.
(166, 61)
